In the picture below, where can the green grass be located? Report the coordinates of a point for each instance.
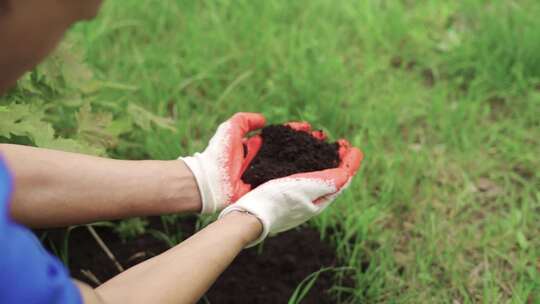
(443, 97)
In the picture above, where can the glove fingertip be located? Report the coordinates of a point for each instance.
(249, 121)
(343, 147)
(303, 126)
(319, 134)
(351, 160)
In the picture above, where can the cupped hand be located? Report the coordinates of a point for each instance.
(219, 168)
(287, 202)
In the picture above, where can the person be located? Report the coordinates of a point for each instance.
(46, 188)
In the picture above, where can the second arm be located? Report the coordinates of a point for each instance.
(55, 188)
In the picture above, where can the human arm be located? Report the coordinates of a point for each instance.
(194, 265)
(55, 188)
(279, 205)
(183, 273)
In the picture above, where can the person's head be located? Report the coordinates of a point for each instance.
(31, 29)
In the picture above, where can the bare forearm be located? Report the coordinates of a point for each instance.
(185, 272)
(55, 188)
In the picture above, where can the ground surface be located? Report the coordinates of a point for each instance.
(258, 275)
(443, 97)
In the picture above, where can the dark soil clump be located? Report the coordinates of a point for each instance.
(286, 151)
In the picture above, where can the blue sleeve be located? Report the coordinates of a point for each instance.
(28, 274)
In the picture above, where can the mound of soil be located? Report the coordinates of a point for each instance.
(256, 276)
(286, 151)
(272, 275)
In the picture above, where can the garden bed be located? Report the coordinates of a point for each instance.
(258, 275)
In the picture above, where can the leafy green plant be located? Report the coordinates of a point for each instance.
(55, 106)
(130, 228)
(171, 232)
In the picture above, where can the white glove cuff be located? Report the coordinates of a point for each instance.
(265, 223)
(207, 198)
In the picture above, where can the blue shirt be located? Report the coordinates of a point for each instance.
(28, 274)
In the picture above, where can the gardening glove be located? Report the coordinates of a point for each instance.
(219, 168)
(306, 127)
(287, 202)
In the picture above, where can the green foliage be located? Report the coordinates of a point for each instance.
(171, 232)
(55, 107)
(131, 228)
(441, 96)
(305, 286)
(496, 46)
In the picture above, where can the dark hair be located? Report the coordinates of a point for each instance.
(4, 7)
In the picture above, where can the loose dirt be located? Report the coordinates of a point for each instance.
(258, 275)
(286, 151)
